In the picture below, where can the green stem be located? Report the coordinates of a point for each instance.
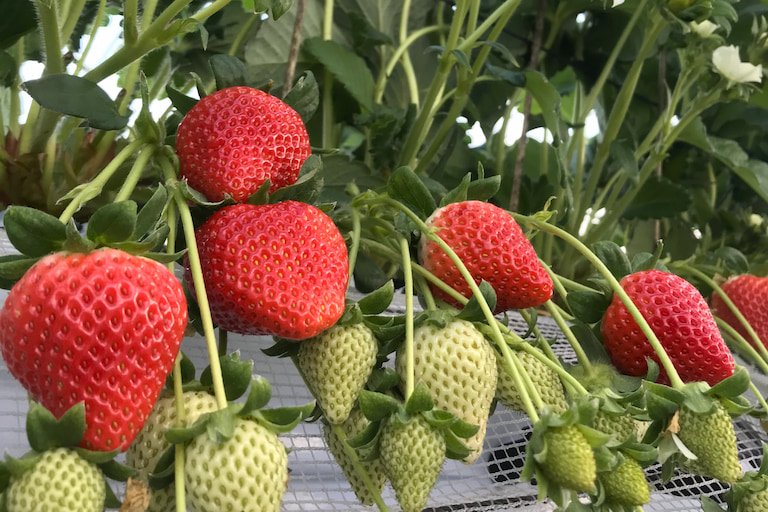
(616, 118)
(410, 75)
(49, 22)
(92, 189)
(237, 42)
(664, 359)
(134, 175)
(505, 10)
(96, 26)
(328, 117)
(199, 283)
(759, 396)
(207, 12)
(405, 254)
(130, 21)
(572, 340)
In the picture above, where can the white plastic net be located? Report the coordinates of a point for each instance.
(491, 483)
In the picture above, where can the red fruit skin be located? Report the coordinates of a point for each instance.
(102, 328)
(235, 139)
(493, 247)
(750, 295)
(681, 320)
(276, 269)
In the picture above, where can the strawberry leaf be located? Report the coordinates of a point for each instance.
(236, 375)
(162, 475)
(733, 386)
(77, 97)
(366, 443)
(182, 435)
(347, 67)
(117, 471)
(406, 187)
(440, 418)
(420, 400)
(368, 275)
(709, 505)
(472, 311)
(307, 188)
(17, 467)
(114, 222)
(379, 300)
(259, 396)
(454, 447)
(304, 96)
(44, 431)
(33, 232)
(110, 499)
(228, 71)
(377, 406)
(383, 379)
(181, 102)
(464, 429)
(95, 457)
(589, 307)
(151, 213)
(613, 257)
(220, 426)
(13, 267)
(283, 419)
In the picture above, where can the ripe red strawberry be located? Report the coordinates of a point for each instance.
(278, 269)
(235, 139)
(681, 320)
(493, 247)
(750, 295)
(103, 328)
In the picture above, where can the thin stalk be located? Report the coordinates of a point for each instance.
(199, 284)
(420, 128)
(399, 53)
(664, 359)
(134, 175)
(328, 117)
(130, 21)
(74, 11)
(207, 12)
(93, 188)
(239, 39)
(48, 166)
(96, 26)
(405, 253)
(410, 75)
(616, 118)
(354, 246)
(425, 292)
(505, 10)
(148, 13)
(572, 340)
(758, 395)
(49, 22)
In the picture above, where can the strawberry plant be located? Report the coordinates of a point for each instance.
(296, 169)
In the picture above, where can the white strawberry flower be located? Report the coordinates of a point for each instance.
(704, 29)
(728, 63)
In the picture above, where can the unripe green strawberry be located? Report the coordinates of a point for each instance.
(626, 485)
(150, 444)
(336, 364)
(751, 498)
(569, 462)
(247, 473)
(459, 367)
(60, 481)
(712, 439)
(412, 454)
(544, 378)
(353, 426)
(622, 426)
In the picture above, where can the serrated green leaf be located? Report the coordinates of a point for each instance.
(472, 311)
(304, 96)
(259, 395)
(347, 67)
(114, 222)
(377, 406)
(44, 431)
(379, 300)
(613, 257)
(405, 186)
(420, 400)
(589, 307)
(236, 375)
(151, 213)
(180, 101)
(33, 232)
(77, 97)
(228, 71)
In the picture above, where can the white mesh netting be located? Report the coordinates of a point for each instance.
(491, 483)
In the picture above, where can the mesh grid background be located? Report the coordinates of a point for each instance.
(489, 484)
